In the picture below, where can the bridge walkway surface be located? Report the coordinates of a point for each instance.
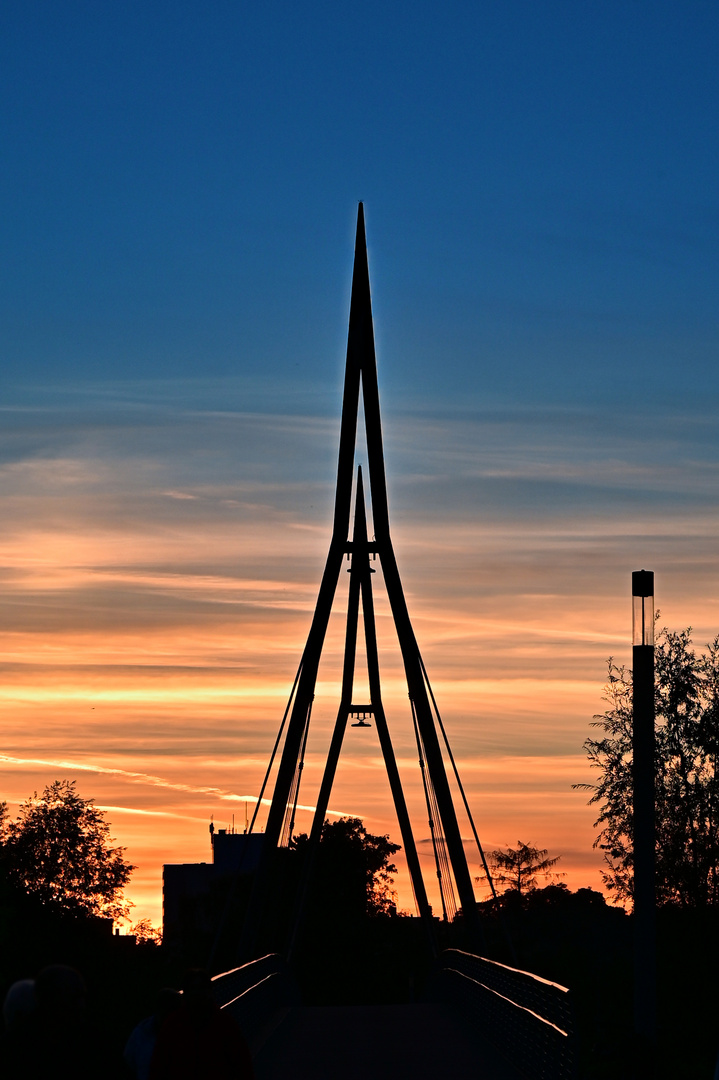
(385, 1042)
(477, 1018)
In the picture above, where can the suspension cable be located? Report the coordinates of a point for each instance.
(429, 810)
(447, 877)
(495, 895)
(236, 876)
(460, 785)
(287, 840)
(446, 891)
(277, 743)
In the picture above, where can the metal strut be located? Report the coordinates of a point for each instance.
(361, 587)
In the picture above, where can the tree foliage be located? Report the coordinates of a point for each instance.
(354, 865)
(59, 852)
(520, 868)
(145, 933)
(686, 784)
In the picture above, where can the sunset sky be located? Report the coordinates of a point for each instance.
(179, 188)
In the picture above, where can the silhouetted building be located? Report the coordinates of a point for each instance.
(233, 851)
(194, 894)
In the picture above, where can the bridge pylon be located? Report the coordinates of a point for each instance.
(361, 377)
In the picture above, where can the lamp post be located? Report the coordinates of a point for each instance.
(643, 809)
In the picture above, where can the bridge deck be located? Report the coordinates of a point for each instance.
(384, 1042)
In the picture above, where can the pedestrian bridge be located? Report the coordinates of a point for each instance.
(477, 1018)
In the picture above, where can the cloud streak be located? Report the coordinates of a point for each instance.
(154, 781)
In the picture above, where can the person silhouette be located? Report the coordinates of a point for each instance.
(200, 1040)
(20, 1003)
(140, 1046)
(55, 1038)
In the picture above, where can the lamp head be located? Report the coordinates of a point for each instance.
(643, 607)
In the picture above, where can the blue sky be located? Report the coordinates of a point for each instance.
(179, 184)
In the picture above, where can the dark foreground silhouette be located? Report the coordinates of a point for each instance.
(374, 965)
(140, 1047)
(200, 1039)
(385, 1042)
(49, 1034)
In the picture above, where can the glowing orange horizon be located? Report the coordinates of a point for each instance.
(151, 630)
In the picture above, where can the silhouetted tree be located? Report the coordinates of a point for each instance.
(519, 868)
(145, 933)
(58, 851)
(687, 787)
(354, 866)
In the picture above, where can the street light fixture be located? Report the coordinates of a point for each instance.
(643, 607)
(643, 805)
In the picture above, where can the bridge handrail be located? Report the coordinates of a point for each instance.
(228, 985)
(550, 1000)
(255, 993)
(528, 1018)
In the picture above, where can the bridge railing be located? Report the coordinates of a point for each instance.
(255, 994)
(527, 1018)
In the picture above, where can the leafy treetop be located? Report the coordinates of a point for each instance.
(59, 851)
(519, 868)
(355, 864)
(686, 783)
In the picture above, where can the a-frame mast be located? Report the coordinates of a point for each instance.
(361, 589)
(361, 370)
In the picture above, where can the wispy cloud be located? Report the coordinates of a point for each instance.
(153, 781)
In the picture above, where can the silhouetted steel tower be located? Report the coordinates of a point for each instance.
(361, 372)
